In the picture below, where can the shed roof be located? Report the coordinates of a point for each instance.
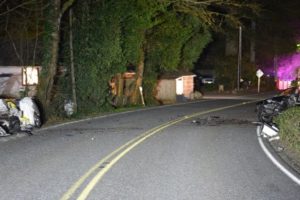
(175, 75)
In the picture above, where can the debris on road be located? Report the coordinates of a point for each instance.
(217, 121)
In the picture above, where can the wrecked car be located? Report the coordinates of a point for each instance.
(18, 115)
(267, 109)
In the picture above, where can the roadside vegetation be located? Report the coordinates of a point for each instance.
(82, 44)
(289, 126)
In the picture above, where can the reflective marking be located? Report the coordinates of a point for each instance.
(84, 194)
(274, 160)
(124, 150)
(78, 183)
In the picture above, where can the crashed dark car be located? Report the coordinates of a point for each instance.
(269, 108)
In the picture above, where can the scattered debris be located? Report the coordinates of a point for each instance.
(69, 107)
(270, 131)
(217, 120)
(274, 138)
(280, 149)
(3, 132)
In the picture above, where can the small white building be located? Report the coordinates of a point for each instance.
(175, 87)
(14, 79)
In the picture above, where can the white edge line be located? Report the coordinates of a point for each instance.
(273, 159)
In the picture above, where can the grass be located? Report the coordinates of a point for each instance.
(289, 126)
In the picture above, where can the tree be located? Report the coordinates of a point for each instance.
(56, 10)
(108, 35)
(210, 14)
(142, 16)
(98, 54)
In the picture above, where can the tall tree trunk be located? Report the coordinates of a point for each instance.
(139, 78)
(54, 53)
(46, 87)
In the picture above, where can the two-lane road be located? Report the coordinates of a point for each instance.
(200, 150)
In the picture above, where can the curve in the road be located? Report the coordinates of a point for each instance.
(110, 160)
(274, 160)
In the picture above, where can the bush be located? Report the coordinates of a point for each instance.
(289, 126)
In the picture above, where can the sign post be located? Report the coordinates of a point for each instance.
(239, 59)
(142, 97)
(259, 74)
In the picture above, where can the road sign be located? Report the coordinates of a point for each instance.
(259, 73)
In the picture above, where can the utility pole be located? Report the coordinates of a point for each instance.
(275, 63)
(252, 42)
(239, 58)
(74, 97)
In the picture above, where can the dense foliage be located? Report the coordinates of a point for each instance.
(97, 52)
(108, 35)
(289, 126)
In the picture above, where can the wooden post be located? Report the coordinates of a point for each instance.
(139, 77)
(258, 85)
(142, 97)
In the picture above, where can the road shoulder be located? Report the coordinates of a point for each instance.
(279, 158)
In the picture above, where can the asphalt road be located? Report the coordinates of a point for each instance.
(213, 154)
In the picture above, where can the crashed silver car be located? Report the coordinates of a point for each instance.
(269, 108)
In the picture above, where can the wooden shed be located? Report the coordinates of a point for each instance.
(175, 87)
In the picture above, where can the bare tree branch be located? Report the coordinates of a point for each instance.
(67, 5)
(36, 35)
(18, 6)
(207, 10)
(12, 41)
(3, 2)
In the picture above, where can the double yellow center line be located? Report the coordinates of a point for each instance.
(110, 160)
